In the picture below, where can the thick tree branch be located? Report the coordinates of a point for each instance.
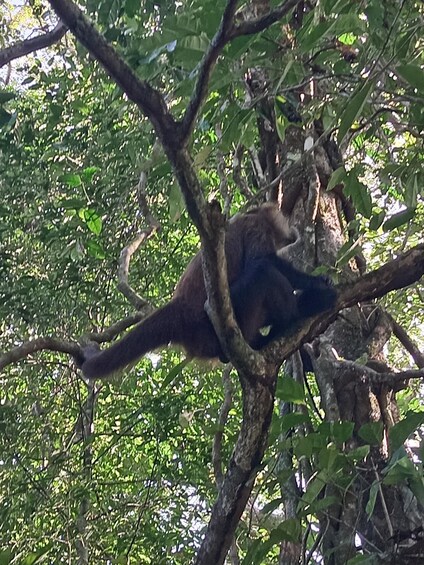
(27, 46)
(39, 344)
(147, 98)
(403, 271)
(370, 376)
(258, 403)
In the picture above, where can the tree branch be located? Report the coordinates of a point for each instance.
(368, 375)
(147, 98)
(27, 46)
(227, 31)
(403, 271)
(206, 67)
(39, 344)
(407, 342)
(250, 27)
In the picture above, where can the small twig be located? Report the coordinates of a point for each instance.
(237, 174)
(223, 177)
(257, 167)
(118, 327)
(383, 501)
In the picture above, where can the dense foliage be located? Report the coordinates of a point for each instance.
(123, 470)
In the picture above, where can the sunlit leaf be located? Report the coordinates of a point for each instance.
(353, 109)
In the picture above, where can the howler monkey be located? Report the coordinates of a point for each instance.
(266, 290)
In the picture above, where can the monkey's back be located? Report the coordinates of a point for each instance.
(257, 233)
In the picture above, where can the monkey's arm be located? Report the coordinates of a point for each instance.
(298, 279)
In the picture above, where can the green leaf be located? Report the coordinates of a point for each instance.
(342, 431)
(359, 194)
(5, 556)
(88, 173)
(316, 33)
(94, 249)
(173, 373)
(402, 470)
(175, 202)
(288, 530)
(400, 432)
(369, 508)
(353, 109)
(5, 117)
(290, 390)
(359, 453)
(412, 74)
(36, 557)
(92, 220)
(372, 432)
(376, 220)
(201, 157)
(293, 420)
(6, 95)
(131, 7)
(399, 219)
(347, 251)
(416, 484)
(273, 505)
(71, 179)
(314, 489)
(167, 48)
(338, 176)
(282, 124)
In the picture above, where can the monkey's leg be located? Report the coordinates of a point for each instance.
(262, 297)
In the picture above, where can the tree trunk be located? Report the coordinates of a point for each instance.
(359, 333)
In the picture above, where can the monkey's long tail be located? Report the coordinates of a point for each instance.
(156, 330)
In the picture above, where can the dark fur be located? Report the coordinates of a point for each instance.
(262, 289)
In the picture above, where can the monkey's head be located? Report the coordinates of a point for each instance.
(273, 219)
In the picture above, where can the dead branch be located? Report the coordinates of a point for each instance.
(367, 375)
(407, 342)
(128, 251)
(22, 48)
(124, 265)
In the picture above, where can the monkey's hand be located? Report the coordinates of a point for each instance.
(324, 281)
(86, 352)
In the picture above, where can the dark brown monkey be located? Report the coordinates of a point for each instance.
(262, 287)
